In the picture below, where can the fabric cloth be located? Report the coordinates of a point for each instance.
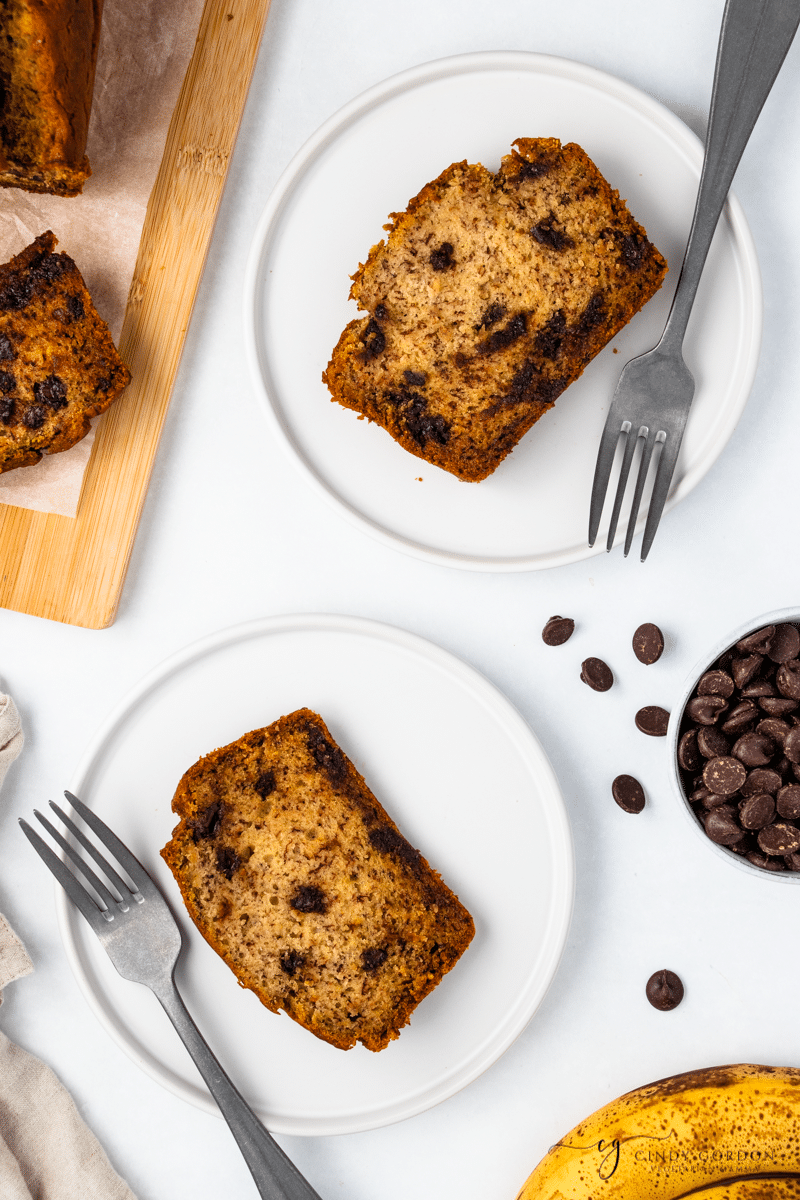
(11, 735)
(47, 1152)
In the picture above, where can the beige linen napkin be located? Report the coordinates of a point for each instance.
(46, 1150)
(11, 735)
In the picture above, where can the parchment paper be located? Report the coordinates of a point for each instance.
(145, 47)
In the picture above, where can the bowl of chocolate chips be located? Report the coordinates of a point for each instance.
(736, 746)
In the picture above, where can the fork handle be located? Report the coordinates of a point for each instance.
(754, 40)
(275, 1175)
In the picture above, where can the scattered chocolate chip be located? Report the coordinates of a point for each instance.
(228, 861)
(628, 793)
(664, 990)
(309, 899)
(652, 720)
(442, 257)
(291, 961)
(648, 644)
(546, 234)
(207, 822)
(34, 416)
(373, 958)
(558, 630)
(265, 784)
(374, 340)
(51, 391)
(784, 644)
(597, 674)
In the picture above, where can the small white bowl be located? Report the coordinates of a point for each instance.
(784, 616)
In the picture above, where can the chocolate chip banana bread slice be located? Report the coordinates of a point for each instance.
(298, 878)
(489, 297)
(59, 366)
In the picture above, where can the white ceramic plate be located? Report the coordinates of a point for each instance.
(466, 781)
(329, 208)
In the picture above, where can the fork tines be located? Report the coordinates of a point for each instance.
(109, 903)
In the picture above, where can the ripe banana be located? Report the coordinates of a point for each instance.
(723, 1133)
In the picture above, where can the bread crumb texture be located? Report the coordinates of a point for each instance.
(59, 366)
(299, 879)
(490, 296)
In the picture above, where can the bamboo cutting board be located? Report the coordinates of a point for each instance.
(72, 569)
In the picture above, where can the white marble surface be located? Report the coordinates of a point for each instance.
(230, 538)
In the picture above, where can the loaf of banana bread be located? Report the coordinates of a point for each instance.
(489, 297)
(299, 879)
(48, 53)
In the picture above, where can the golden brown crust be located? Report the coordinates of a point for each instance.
(58, 363)
(48, 53)
(299, 879)
(489, 297)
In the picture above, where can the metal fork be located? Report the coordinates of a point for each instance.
(141, 937)
(655, 391)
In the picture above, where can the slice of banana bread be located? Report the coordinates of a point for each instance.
(490, 296)
(297, 877)
(58, 364)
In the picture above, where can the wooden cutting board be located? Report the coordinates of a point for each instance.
(72, 569)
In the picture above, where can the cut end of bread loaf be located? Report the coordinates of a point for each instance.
(59, 366)
(298, 878)
(489, 297)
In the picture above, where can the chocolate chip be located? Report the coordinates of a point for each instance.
(757, 642)
(228, 861)
(779, 839)
(265, 784)
(724, 775)
(7, 351)
(787, 678)
(374, 340)
(664, 990)
(648, 644)
(757, 811)
(784, 644)
(34, 416)
(7, 409)
(652, 720)
(774, 728)
(689, 756)
(711, 743)
(7, 382)
(309, 899)
(758, 688)
(546, 234)
(777, 706)
(373, 958)
(722, 827)
(291, 961)
(51, 391)
(716, 683)
(557, 631)
(791, 745)
(389, 841)
(628, 793)
(442, 258)
(761, 779)
(414, 378)
(754, 749)
(326, 755)
(745, 669)
(380, 312)
(788, 801)
(207, 822)
(740, 717)
(596, 674)
(705, 710)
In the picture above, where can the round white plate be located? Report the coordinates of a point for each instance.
(329, 208)
(465, 779)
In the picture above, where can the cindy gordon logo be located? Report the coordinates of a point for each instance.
(610, 1149)
(610, 1152)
